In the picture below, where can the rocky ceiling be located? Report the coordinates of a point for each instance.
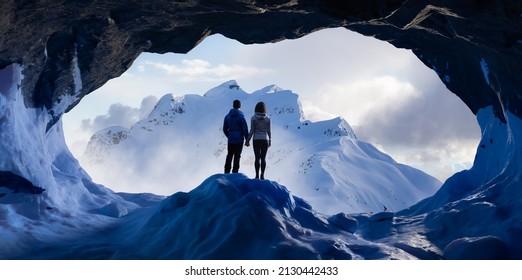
(475, 46)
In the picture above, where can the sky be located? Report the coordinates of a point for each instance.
(388, 96)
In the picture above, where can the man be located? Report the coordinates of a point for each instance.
(236, 130)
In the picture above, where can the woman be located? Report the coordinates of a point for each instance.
(262, 138)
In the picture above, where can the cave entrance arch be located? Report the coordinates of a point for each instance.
(390, 98)
(473, 46)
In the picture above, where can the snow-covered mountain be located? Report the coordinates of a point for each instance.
(181, 143)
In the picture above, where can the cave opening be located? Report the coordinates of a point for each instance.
(386, 94)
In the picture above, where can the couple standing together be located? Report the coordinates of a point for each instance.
(236, 130)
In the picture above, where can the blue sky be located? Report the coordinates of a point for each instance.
(387, 95)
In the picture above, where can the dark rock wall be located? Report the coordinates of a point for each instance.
(459, 40)
(106, 36)
(451, 37)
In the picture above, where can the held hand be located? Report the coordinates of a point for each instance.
(247, 144)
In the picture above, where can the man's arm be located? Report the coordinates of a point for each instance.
(245, 129)
(225, 127)
(251, 130)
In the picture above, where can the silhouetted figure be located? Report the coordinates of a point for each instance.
(236, 130)
(261, 133)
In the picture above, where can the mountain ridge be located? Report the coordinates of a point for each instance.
(319, 159)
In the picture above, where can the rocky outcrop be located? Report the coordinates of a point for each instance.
(69, 49)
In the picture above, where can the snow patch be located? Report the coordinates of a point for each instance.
(477, 248)
(229, 88)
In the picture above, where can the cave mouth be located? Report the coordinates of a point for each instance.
(386, 94)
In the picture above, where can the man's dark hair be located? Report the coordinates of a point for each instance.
(236, 104)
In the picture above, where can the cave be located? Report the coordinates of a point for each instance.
(56, 54)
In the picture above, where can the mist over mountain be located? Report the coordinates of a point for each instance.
(181, 142)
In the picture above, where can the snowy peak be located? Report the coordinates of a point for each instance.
(167, 108)
(228, 88)
(344, 126)
(268, 89)
(337, 127)
(100, 143)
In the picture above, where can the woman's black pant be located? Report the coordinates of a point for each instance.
(260, 149)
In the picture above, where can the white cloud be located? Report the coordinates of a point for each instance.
(355, 100)
(440, 161)
(202, 70)
(78, 133)
(119, 115)
(313, 113)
